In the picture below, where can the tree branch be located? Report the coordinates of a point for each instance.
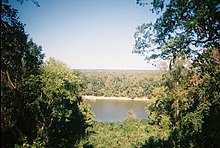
(11, 84)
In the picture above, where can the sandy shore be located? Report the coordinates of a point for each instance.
(114, 98)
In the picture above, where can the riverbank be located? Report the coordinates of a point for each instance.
(114, 98)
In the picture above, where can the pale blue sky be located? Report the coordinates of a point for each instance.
(87, 34)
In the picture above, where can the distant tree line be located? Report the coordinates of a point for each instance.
(120, 84)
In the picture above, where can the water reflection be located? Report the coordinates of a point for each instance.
(116, 110)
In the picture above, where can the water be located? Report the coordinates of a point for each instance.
(117, 110)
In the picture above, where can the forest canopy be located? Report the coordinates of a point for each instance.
(120, 83)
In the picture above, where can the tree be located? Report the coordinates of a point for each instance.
(63, 117)
(182, 31)
(20, 61)
(40, 104)
(188, 99)
(208, 90)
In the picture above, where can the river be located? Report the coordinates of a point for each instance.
(112, 110)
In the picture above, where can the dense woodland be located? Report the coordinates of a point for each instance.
(119, 83)
(185, 110)
(41, 103)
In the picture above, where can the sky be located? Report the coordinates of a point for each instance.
(87, 34)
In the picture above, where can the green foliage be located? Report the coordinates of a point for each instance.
(188, 105)
(130, 133)
(120, 84)
(63, 117)
(209, 64)
(20, 64)
(182, 30)
(41, 105)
